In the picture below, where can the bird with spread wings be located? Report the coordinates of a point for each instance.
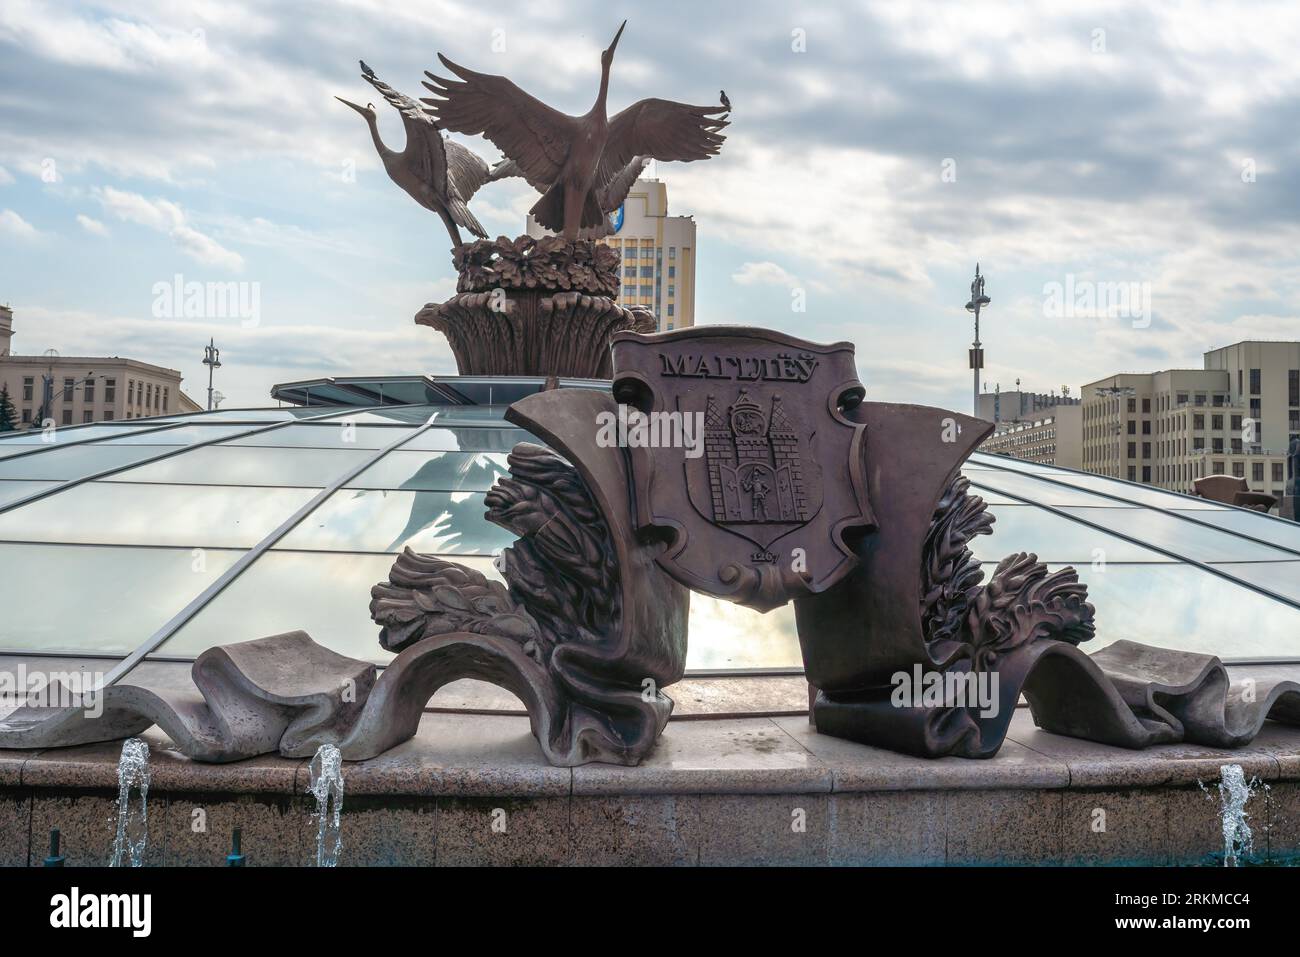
(577, 163)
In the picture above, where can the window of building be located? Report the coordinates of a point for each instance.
(1132, 427)
(1146, 474)
(670, 312)
(1218, 468)
(1236, 423)
(629, 272)
(647, 272)
(67, 416)
(1146, 405)
(1200, 398)
(1182, 398)
(647, 290)
(67, 391)
(1239, 469)
(1146, 426)
(1132, 450)
(27, 415)
(1254, 382)
(1198, 422)
(1293, 387)
(1132, 473)
(110, 390)
(108, 415)
(1216, 422)
(167, 395)
(90, 390)
(1257, 471)
(672, 289)
(672, 272)
(87, 416)
(672, 252)
(1277, 471)
(27, 388)
(1132, 405)
(1293, 420)
(1146, 450)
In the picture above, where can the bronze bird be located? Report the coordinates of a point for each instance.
(571, 159)
(439, 174)
(610, 196)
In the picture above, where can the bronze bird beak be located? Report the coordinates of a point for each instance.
(610, 51)
(360, 109)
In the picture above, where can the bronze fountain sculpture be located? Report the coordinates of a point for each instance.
(799, 491)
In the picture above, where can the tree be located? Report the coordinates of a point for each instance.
(8, 414)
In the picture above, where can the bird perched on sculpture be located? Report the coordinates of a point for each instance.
(439, 174)
(572, 160)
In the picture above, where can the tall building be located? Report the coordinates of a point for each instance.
(1234, 417)
(78, 389)
(1017, 406)
(1054, 437)
(658, 254)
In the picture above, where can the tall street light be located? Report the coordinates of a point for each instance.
(211, 359)
(977, 299)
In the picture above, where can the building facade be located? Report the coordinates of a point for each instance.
(658, 255)
(1234, 417)
(1052, 438)
(72, 390)
(1018, 406)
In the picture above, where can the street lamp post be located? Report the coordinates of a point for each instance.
(977, 299)
(211, 359)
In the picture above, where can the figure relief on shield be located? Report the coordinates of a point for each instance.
(745, 511)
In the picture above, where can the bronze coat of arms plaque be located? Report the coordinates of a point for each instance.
(742, 457)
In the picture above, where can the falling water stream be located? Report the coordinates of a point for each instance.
(132, 828)
(327, 788)
(1234, 792)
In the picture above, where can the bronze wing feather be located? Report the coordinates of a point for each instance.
(524, 128)
(466, 172)
(663, 130)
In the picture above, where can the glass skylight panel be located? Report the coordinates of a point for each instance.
(1189, 540)
(1054, 538)
(77, 461)
(434, 471)
(361, 520)
(180, 435)
(1266, 528)
(13, 491)
(724, 635)
(62, 436)
(470, 439)
(1185, 607)
(1280, 578)
(111, 513)
(336, 434)
(76, 599)
(245, 465)
(1037, 491)
(323, 594)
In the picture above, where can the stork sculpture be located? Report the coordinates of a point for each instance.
(610, 197)
(573, 161)
(439, 174)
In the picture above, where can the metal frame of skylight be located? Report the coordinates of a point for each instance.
(201, 601)
(66, 484)
(1181, 514)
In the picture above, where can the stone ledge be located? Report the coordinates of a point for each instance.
(476, 755)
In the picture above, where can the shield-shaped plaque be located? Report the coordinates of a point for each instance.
(743, 458)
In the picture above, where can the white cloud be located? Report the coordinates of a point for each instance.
(92, 226)
(164, 216)
(14, 225)
(6, 177)
(764, 274)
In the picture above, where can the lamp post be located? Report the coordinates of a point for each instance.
(977, 299)
(49, 395)
(211, 359)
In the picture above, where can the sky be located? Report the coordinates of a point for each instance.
(1127, 175)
